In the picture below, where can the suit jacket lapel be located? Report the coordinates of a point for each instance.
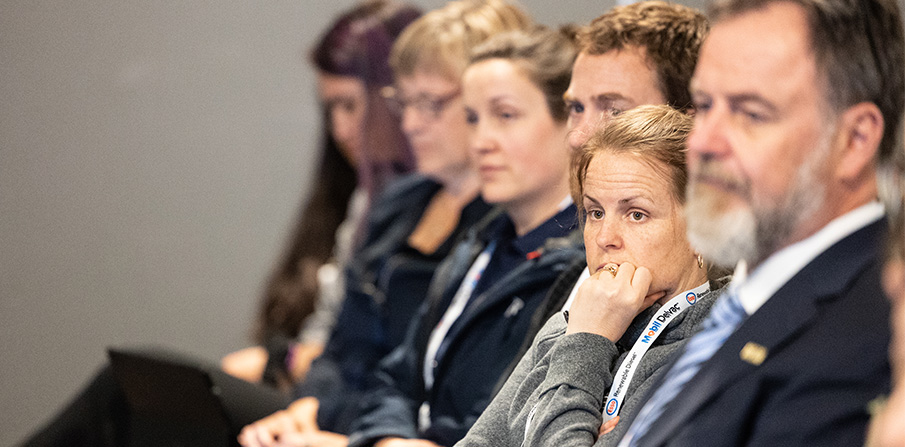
(773, 325)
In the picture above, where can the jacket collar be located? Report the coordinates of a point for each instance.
(793, 307)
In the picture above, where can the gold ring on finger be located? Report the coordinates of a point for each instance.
(612, 268)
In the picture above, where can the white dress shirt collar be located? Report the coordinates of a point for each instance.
(756, 288)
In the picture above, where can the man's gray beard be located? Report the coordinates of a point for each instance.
(721, 238)
(756, 231)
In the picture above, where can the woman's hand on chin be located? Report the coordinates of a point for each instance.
(401, 442)
(606, 304)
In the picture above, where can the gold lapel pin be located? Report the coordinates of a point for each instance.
(753, 353)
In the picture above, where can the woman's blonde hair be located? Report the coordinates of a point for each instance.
(656, 133)
(441, 40)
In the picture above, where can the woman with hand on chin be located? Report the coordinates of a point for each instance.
(647, 292)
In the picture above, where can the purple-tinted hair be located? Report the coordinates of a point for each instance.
(358, 43)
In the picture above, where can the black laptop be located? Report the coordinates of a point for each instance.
(176, 400)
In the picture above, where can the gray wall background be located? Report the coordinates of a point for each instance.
(152, 158)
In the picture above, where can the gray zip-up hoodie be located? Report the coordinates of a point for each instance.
(564, 379)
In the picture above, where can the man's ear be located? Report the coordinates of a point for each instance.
(860, 133)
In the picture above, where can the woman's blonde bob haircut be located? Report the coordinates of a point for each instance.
(441, 40)
(656, 134)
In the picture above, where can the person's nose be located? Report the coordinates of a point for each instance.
(609, 235)
(413, 121)
(708, 138)
(343, 126)
(481, 140)
(579, 131)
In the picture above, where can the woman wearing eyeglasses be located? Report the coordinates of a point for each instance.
(412, 227)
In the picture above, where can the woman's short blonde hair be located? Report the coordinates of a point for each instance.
(441, 40)
(656, 133)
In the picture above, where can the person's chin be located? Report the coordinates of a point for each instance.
(660, 297)
(494, 196)
(719, 226)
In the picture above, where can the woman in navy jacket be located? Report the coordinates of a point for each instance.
(484, 295)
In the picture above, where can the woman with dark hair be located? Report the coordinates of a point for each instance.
(364, 150)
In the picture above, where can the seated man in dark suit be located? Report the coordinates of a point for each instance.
(798, 103)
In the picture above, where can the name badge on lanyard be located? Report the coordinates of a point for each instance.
(654, 328)
(453, 312)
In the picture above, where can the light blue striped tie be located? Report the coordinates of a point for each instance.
(726, 315)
